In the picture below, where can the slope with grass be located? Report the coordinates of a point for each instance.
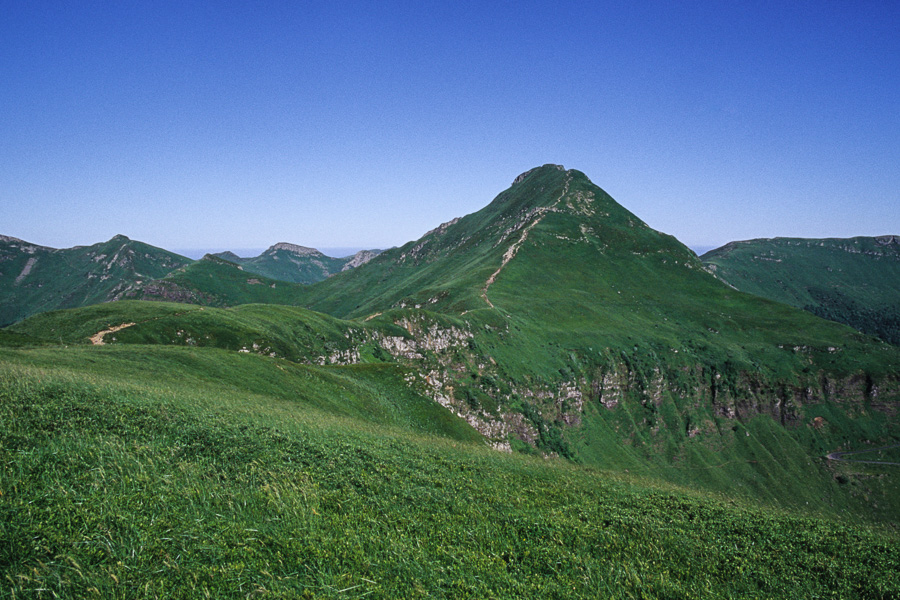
(150, 471)
(556, 322)
(853, 281)
(37, 278)
(297, 264)
(287, 332)
(214, 281)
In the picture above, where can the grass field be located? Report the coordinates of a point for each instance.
(239, 476)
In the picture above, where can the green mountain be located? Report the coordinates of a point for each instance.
(297, 264)
(853, 281)
(215, 281)
(564, 323)
(543, 398)
(37, 278)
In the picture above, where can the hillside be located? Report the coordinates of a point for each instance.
(554, 321)
(545, 398)
(297, 264)
(853, 281)
(194, 472)
(37, 278)
(215, 281)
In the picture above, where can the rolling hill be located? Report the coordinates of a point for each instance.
(853, 281)
(215, 281)
(142, 471)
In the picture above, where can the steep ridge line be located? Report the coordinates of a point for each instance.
(514, 248)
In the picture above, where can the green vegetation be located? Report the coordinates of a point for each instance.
(287, 262)
(34, 278)
(852, 281)
(669, 433)
(213, 281)
(119, 482)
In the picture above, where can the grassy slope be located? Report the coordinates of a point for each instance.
(285, 265)
(228, 477)
(446, 268)
(294, 333)
(213, 281)
(853, 281)
(75, 276)
(775, 465)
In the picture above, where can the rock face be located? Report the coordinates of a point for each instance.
(360, 258)
(295, 249)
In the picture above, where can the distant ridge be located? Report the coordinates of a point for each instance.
(297, 264)
(855, 281)
(37, 278)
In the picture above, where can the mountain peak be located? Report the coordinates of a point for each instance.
(294, 248)
(548, 166)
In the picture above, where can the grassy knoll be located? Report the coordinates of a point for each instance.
(283, 331)
(237, 475)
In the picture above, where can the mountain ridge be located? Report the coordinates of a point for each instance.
(855, 281)
(37, 278)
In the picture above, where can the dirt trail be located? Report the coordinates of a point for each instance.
(97, 338)
(840, 456)
(514, 248)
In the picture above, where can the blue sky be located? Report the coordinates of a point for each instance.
(365, 124)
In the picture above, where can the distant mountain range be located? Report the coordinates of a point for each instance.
(36, 278)
(297, 264)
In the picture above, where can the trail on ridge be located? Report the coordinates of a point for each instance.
(514, 248)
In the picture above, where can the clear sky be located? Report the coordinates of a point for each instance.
(365, 124)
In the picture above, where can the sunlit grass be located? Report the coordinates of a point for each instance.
(188, 486)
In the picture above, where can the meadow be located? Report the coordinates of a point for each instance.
(151, 472)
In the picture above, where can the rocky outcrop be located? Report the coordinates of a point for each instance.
(360, 258)
(295, 249)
